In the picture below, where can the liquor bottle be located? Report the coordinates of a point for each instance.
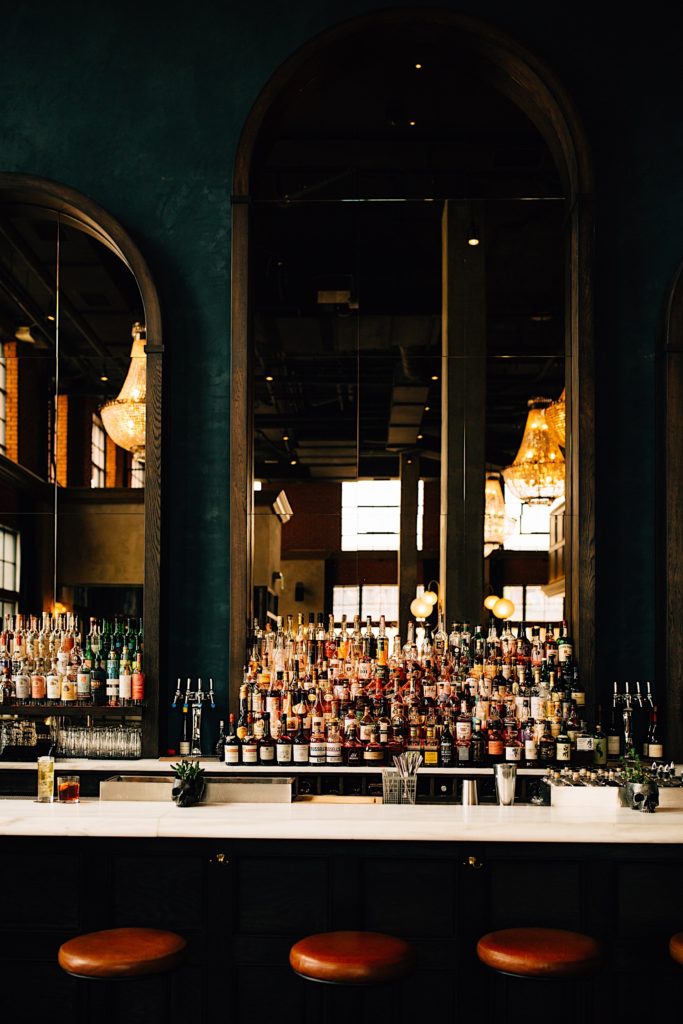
(317, 753)
(231, 748)
(463, 735)
(53, 685)
(584, 748)
(112, 678)
(654, 743)
(243, 712)
(578, 692)
(366, 724)
(266, 744)
(98, 683)
(283, 744)
(22, 684)
(334, 745)
(300, 745)
(599, 745)
(495, 749)
(220, 742)
(353, 748)
(138, 682)
(546, 747)
(513, 748)
(38, 682)
(373, 754)
(446, 746)
(477, 745)
(530, 745)
(565, 646)
(184, 746)
(563, 748)
(250, 742)
(613, 735)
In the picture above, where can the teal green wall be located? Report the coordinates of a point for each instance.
(140, 106)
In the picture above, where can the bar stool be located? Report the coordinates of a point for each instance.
(676, 947)
(542, 953)
(122, 954)
(353, 960)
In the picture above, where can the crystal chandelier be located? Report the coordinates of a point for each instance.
(497, 526)
(556, 419)
(537, 474)
(124, 418)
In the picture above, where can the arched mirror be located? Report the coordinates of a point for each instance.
(79, 463)
(408, 230)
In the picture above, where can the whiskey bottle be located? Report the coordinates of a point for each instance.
(300, 745)
(220, 742)
(373, 754)
(266, 744)
(283, 744)
(353, 748)
(334, 745)
(317, 753)
(231, 749)
(654, 743)
(446, 746)
(250, 743)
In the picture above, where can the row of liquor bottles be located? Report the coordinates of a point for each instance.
(449, 741)
(52, 660)
(469, 698)
(357, 651)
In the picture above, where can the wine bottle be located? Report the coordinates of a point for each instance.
(220, 742)
(231, 748)
(654, 743)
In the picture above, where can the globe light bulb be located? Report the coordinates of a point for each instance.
(503, 609)
(420, 608)
(430, 597)
(491, 601)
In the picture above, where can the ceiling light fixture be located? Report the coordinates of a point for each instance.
(412, 123)
(23, 333)
(269, 378)
(292, 462)
(125, 417)
(556, 416)
(497, 526)
(435, 376)
(285, 437)
(473, 234)
(104, 378)
(537, 474)
(418, 67)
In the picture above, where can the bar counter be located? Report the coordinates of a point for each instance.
(340, 821)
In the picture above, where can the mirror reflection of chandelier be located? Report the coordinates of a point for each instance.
(556, 418)
(497, 525)
(124, 418)
(537, 474)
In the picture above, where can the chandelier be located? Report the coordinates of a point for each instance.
(537, 474)
(556, 418)
(497, 525)
(124, 418)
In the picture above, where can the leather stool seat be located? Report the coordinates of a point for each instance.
(540, 952)
(676, 947)
(122, 953)
(351, 958)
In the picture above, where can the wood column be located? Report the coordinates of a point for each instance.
(463, 412)
(407, 550)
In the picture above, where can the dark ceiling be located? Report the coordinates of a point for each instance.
(98, 299)
(352, 170)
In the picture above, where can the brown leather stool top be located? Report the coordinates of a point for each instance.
(351, 958)
(676, 947)
(122, 953)
(540, 952)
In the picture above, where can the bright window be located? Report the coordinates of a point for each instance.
(98, 454)
(10, 568)
(532, 605)
(370, 599)
(532, 525)
(371, 515)
(137, 473)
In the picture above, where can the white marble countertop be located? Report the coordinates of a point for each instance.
(523, 823)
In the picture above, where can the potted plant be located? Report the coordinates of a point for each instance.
(189, 786)
(639, 790)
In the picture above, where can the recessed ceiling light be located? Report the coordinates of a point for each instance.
(269, 378)
(104, 378)
(412, 123)
(285, 437)
(420, 436)
(292, 462)
(435, 376)
(427, 408)
(50, 316)
(473, 241)
(418, 67)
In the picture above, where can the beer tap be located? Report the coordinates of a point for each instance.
(176, 696)
(648, 695)
(627, 713)
(193, 701)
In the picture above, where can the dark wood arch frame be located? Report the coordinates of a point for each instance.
(670, 520)
(520, 76)
(86, 215)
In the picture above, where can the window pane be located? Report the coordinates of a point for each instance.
(516, 595)
(345, 601)
(9, 579)
(9, 547)
(539, 607)
(380, 600)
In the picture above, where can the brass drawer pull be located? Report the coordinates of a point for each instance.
(219, 858)
(473, 862)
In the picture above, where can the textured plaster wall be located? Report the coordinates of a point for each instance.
(140, 106)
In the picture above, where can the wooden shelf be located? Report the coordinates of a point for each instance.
(70, 711)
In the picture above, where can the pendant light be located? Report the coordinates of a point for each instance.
(124, 418)
(556, 418)
(537, 474)
(497, 526)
